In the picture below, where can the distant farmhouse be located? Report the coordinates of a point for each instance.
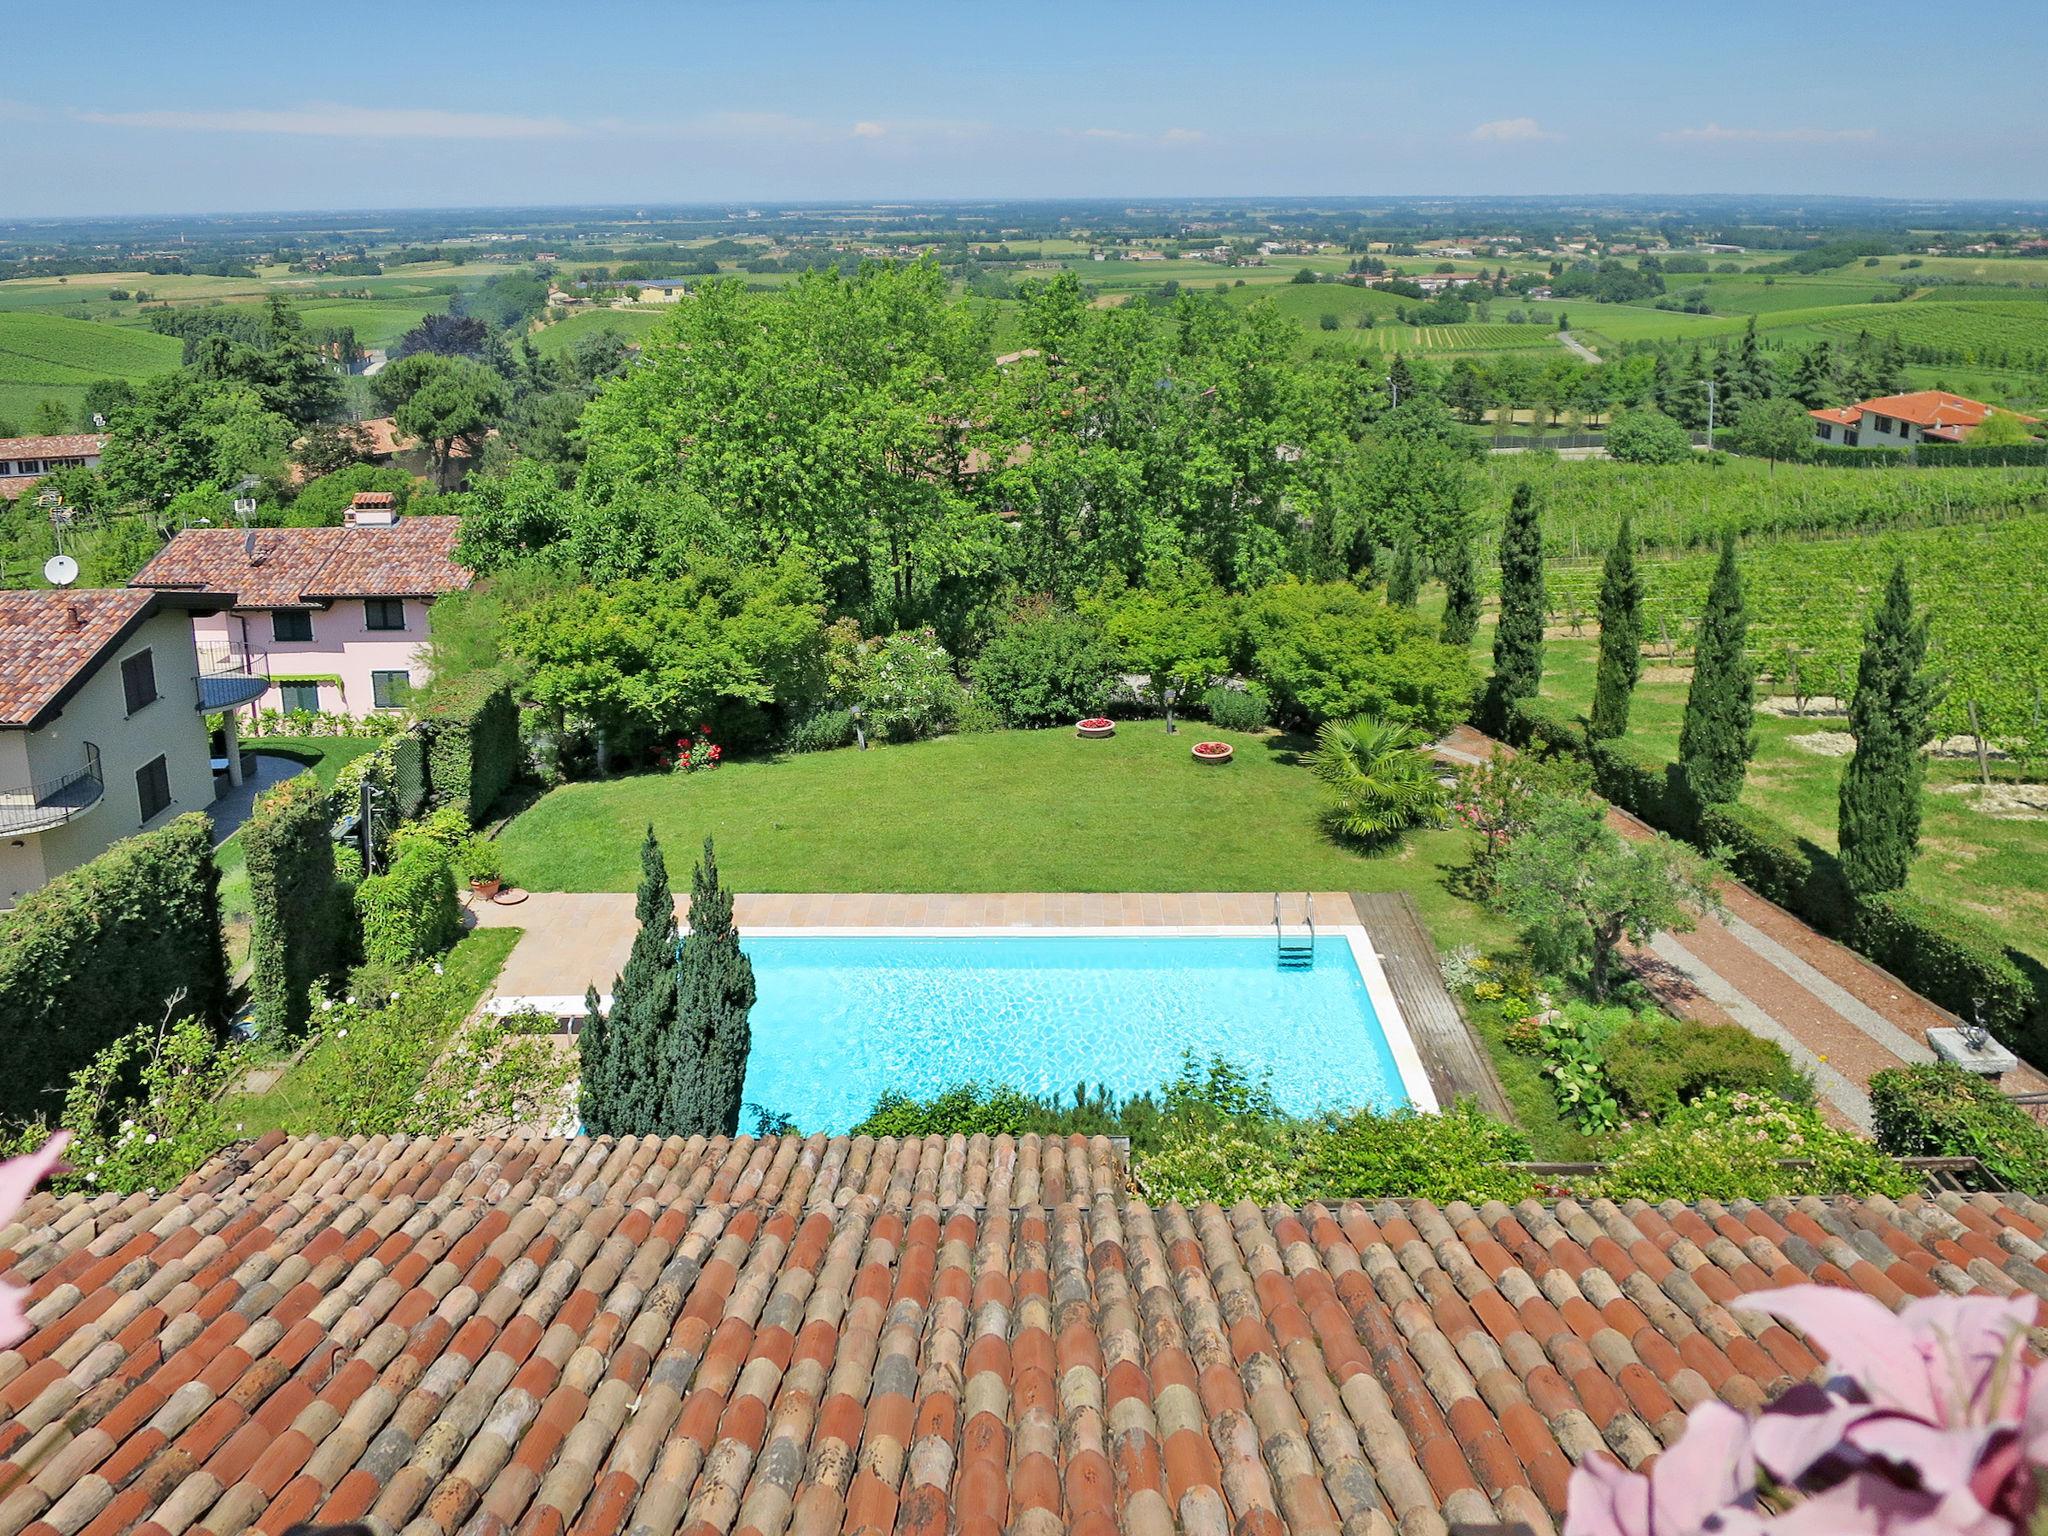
(1900, 421)
(25, 460)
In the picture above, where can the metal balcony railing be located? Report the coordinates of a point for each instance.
(39, 807)
(228, 677)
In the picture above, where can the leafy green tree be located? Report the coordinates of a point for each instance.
(1329, 651)
(1773, 429)
(1891, 715)
(1044, 668)
(1718, 735)
(1518, 641)
(50, 418)
(2002, 429)
(181, 431)
(1577, 889)
(1461, 594)
(1647, 437)
(1381, 778)
(708, 1051)
(445, 402)
(1621, 636)
(628, 1057)
(1176, 629)
(1404, 578)
(102, 398)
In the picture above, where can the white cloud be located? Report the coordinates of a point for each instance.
(1169, 136)
(870, 130)
(1714, 133)
(338, 121)
(1512, 130)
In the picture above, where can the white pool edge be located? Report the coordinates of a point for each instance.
(1393, 1024)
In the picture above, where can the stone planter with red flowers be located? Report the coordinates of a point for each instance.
(1097, 727)
(1212, 751)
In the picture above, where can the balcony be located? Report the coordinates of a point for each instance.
(228, 678)
(39, 807)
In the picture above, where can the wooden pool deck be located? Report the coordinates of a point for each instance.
(1457, 1063)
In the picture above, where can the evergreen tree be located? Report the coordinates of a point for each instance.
(1461, 594)
(1813, 382)
(1518, 642)
(1755, 377)
(710, 1047)
(1621, 636)
(594, 1053)
(1718, 736)
(1664, 385)
(1400, 380)
(1891, 717)
(633, 1041)
(1404, 577)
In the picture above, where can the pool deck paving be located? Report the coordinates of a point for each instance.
(578, 939)
(1837, 1015)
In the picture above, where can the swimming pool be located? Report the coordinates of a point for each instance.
(841, 1019)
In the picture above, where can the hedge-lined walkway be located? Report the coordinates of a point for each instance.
(1756, 965)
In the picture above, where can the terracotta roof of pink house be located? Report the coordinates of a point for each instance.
(300, 567)
(1935, 411)
(481, 1337)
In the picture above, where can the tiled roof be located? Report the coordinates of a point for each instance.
(296, 566)
(805, 1338)
(1841, 415)
(71, 445)
(1923, 407)
(49, 638)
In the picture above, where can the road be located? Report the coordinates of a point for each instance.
(1572, 343)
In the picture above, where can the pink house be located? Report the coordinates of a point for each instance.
(335, 618)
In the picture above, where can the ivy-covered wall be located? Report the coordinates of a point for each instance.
(104, 949)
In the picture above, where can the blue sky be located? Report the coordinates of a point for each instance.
(237, 107)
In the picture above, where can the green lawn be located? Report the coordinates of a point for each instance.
(1994, 867)
(1008, 811)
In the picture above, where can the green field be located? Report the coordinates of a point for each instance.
(378, 322)
(52, 357)
(630, 324)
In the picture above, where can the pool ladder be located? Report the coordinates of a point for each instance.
(1297, 949)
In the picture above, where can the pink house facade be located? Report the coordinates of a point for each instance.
(334, 618)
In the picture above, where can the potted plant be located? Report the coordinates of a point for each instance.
(1212, 751)
(482, 867)
(1096, 726)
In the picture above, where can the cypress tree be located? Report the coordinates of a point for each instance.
(1718, 736)
(1518, 642)
(1891, 717)
(1621, 636)
(709, 1049)
(1404, 579)
(643, 1017)
(1461, 594)
(594, 1053)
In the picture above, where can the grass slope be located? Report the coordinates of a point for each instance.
(1008, 811)
(54, 357)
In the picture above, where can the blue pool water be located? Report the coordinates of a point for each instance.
(839, 1020)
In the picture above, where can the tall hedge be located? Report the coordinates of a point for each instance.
(303, 923)
(103, 949)
(471, 728)
(410, 913)
(1952, 958)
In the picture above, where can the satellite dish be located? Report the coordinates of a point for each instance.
(60, 570)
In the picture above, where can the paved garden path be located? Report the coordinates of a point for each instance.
(1756, 965)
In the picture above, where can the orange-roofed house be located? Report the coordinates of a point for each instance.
(1900, 421)
(335, 618)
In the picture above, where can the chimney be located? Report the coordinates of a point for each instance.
(77, 616)
(371, 509)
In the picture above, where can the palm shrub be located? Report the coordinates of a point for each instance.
(1381, 777)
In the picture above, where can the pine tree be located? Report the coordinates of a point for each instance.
(1400, 380)
(631, 1088)
(594, 1053)
(1621, 636)
(717, 993)
(1404, 577)
(1718, 736)
(1461, 594)
(1518, 642)
(1891, 717)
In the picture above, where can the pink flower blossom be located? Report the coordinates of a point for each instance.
(19, 1177)
(1705, 1483)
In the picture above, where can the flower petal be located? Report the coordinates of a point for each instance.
(1862, 1339)
(1709, 1469)
(18, 1178)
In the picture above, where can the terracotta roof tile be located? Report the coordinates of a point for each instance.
(802, 1338)
(298, 567)
(69, 445)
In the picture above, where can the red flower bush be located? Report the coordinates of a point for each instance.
(693, 753)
